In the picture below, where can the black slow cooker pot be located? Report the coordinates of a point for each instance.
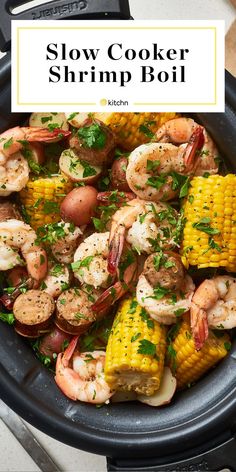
(196, 432)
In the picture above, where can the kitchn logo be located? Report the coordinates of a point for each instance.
(113, 103)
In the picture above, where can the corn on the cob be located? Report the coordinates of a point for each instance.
(133, 129)
(135, 350)
(41, 198)
(209, 238)
(189, 365)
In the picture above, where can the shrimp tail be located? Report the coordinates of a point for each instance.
(43, 134)
(67, 355)
(199, 325)
(195, 144)
(110, 296)
(116, 249)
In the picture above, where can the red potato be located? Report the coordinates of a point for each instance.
(17, 276)
(78, 170)
(53, 342)
(43, 120)
(118, 174)
(79, 205)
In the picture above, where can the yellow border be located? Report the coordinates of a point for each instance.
(116, 28)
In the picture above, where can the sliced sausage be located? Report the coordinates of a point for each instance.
(74, 314)
(33, 312)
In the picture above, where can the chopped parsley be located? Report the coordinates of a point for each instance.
(84, 263)
(147, 348)
(72, 116)
(214, 245)
(133, 306)
(144, 128)
(50, 207)
(146, 318)
(45, 119)
(204, 225)
(152, 165)
(179, 312)
(159, 293)
(227, 346)
(93, 136)
(8, 143)
(156, 182)
(135, 337)
(7, 318)
(191, 199)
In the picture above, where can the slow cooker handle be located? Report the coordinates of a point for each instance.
(223, 456)
(60, 9)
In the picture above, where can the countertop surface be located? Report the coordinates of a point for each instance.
(13, 456)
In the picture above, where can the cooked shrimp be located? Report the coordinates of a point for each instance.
(57, 279)
(14, 169)
(15, 235)
(164, 289)
(85, 379)
(65, 238)
(214, 306)
(14, 173)
(90, 261)
(179, 131)
(15, 139)
(143, 225)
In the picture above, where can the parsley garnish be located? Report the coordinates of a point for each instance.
(133, 306)
(214, 245)
(227, 346)
(50, 207)
(145, 317)
(92, 136)
(7, 318)
(156, 182)
(159, 293)
(152, 165)
(147, 348)
(203, 225)
(84, 263)
(144, 128)
(179, 312)
(45, 119)
(8, 143)
(73, 115)
(135, 337)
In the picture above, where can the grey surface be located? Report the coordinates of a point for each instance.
(13, 456)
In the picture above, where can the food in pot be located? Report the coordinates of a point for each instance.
(87, 227)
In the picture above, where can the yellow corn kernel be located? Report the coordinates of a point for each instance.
(41, 198)
(188, 364)
(214, 199)
(126, 368)
(133, 129)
